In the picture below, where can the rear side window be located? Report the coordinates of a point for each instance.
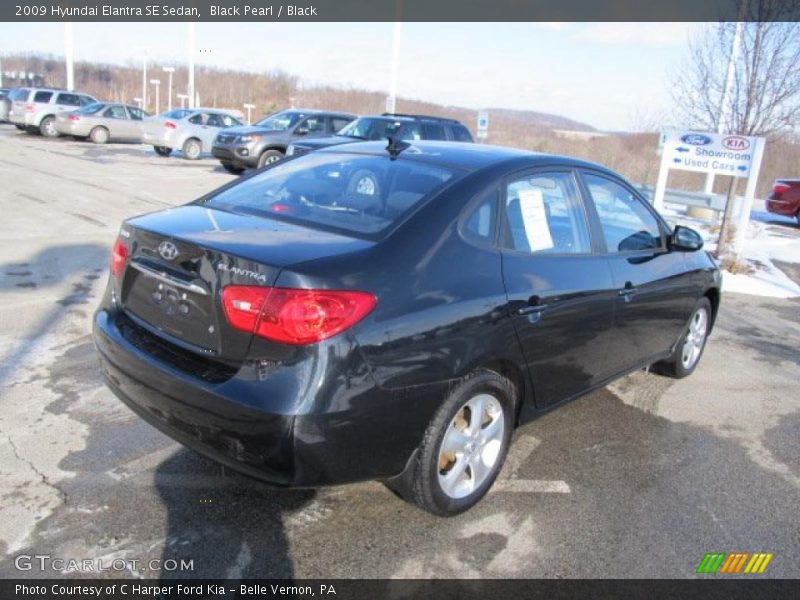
(544, 214)
(42, 97)
(177, 113)
(626, 222)
(480, 224)
(137, 114)
(461, 133)
(92, 109)
(357, 194)
(115, 112)
(68, 99)
(199, 119)
(434, 131)
(87, 100)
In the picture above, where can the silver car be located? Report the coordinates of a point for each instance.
(5, 104)
(192, 130)
(34, 109)
(102, 122)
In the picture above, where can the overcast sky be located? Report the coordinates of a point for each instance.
(602, 74)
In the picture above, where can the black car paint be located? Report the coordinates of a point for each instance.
(355, 406)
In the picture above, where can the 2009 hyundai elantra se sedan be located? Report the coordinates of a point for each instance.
(306, 330)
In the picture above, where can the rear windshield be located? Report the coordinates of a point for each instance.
(178, 113)
(357, 194)
(91, 109)
(19, 94)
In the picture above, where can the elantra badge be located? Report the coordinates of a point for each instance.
(167, 250)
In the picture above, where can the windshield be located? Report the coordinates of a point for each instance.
(91, 109)
(355, 193)
(380, 129)
(177, 113)
(281, 121)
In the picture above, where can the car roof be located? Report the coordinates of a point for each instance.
(466, 156)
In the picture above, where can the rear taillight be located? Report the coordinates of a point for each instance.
(118, 257)
(294, 316)
(778, 189)
(30, 107)
(170, 125)
(74, 118)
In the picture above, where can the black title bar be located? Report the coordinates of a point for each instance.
(400, 10)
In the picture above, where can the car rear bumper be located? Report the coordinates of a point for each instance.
(239, 155)
(158, 139)
(266, 427)
(25, 119)
(786, 208)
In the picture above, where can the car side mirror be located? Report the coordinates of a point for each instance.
(685, 239)
(301, 131)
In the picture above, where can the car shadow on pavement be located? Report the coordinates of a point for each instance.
(229, 526)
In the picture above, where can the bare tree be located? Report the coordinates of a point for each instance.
(764, 91)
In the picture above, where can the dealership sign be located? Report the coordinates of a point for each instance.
(709, 152)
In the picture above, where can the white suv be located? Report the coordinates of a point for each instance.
(35, 109)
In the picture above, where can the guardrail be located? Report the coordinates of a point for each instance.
(715, 202)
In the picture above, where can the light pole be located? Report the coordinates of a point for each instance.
(183, 98)
(138, 101)
(190, 91)
(144, 80)
(157, 83)
(249, 107)
(68, 55)
(170, 71)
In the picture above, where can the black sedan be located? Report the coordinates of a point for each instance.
(306, 330)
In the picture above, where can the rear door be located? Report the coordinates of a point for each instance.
(561, 293)
(115, 118)
(67, 101)
(654, 291)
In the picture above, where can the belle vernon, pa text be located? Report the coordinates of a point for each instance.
(159, 590)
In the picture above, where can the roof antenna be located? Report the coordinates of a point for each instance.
(395, 147)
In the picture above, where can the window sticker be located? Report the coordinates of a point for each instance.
(534, 219)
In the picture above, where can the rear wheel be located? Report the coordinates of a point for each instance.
(268, 157)
(192, 149)
(232, 169)
(690, 347)
(48, 127)
(162, 150)
(99, 135)
(464, 446)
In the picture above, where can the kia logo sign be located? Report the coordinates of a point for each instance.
(735, 142)
(696, 139)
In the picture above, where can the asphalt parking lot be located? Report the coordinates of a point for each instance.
(637, 480)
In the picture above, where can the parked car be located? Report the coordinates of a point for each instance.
(102, 122)
(191, 129)
(5, 104)
(404, 127)
(34, 109)
(266, 141)
(304, 333)
(785, 198)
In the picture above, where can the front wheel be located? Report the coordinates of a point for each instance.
(268, 157)
(464, 446)
(689, 349)
(192, 149)
(162, 150)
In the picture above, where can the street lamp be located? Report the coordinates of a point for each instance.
(157, 83)
(169, 70)
(249, 107)
(183, 98)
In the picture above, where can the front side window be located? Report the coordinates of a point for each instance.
(626, 222)
(434, 131)
(315, 124)
(229, 121)
(461, 133)
(350, 192)
(543, 214)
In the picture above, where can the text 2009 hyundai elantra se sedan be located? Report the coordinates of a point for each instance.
(306, 329)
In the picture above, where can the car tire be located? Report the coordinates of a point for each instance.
(162, 150)
(454, 444)
(48, 127)
(268, 157)
(192, 149)
(99, 135)
(690, 346)
(232, 169)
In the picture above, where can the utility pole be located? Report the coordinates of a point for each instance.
(157, 83)
(183, 98)
(144, 81)
(191, 92)
(68, 56)
(391, 103)
(249, 107)
(170, 71)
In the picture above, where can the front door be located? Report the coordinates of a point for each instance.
(560, 291)
(654, 290)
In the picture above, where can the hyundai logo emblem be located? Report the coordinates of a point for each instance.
(167, 250)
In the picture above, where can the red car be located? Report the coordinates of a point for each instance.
(785, 198)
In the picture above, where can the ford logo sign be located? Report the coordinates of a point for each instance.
(167, 250)
(696, 139)
(736, 142)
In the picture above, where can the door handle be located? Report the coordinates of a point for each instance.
(535, 306)
(628, 291)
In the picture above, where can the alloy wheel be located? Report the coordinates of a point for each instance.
(695, 338)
